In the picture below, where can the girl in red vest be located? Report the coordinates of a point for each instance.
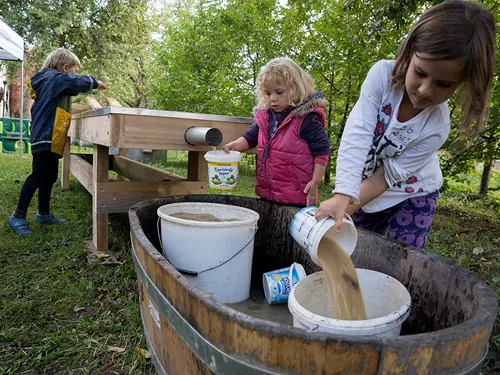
(289, 130)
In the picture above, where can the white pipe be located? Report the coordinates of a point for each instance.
(21, 109)
(196, 136)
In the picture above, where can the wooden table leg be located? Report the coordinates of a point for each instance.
(66, 165)
(99, 220)
(197, 167)
(123, 152)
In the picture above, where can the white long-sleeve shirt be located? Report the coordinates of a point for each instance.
(408, 149)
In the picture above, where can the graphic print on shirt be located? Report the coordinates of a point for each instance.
(380, 141)
(389, 145)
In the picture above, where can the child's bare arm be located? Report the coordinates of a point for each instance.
(371, 188)
(335, 207)
(240, 144)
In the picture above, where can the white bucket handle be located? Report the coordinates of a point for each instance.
(196, 273)
(158, 232)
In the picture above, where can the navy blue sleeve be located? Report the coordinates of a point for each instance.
(70, 84)
(313, 132)
(252, 135)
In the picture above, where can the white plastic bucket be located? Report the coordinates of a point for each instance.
(387, 304)
(223, 169)
(279, 283)
(215, 256)
(308, 232)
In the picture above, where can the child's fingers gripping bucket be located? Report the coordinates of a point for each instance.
(223, 169)
(216, 256)
(278, 284)
(308, 232)
(386, 300)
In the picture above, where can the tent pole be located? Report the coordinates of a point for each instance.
(21, 110)
(4, 100)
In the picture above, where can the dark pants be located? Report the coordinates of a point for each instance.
(45, 169)
(409, 221)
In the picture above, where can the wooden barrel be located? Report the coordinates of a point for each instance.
(188, 332)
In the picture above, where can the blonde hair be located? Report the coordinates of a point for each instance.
(299, 84)
(61, 56)
(456, 30)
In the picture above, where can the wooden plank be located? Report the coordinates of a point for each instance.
(117, 131)
(112, 102)
(137, 171)
(78, 108)
(147, 132)
(117, 196)
(93, 103)
(123, 153)
(93, 129)
(99, 220)
(180, 359)
(66, 164)
(164, 133)
(82, 170)
(197, 166)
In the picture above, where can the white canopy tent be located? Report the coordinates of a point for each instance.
(12, 48)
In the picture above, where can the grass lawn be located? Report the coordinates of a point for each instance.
(60, 316)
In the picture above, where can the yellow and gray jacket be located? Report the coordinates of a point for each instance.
(51, 112)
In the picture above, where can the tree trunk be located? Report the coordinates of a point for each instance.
(485, 177)
(328, 170)
(346, 110)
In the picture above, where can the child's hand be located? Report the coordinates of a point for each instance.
(334, 207)
(228, 147)
(101, 86)
(312, 192)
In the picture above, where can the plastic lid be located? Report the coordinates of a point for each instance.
(221, 156)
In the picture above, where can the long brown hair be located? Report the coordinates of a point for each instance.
(456, 30)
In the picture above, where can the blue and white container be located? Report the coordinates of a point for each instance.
(279, 283)
(308, 232)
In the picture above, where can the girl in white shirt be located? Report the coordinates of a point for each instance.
(388, 175)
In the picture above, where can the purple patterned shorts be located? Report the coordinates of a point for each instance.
(408, 222)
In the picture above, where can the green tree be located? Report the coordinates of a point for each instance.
(210, 53)
(339, 42)
(484, 148)
(111, 37)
